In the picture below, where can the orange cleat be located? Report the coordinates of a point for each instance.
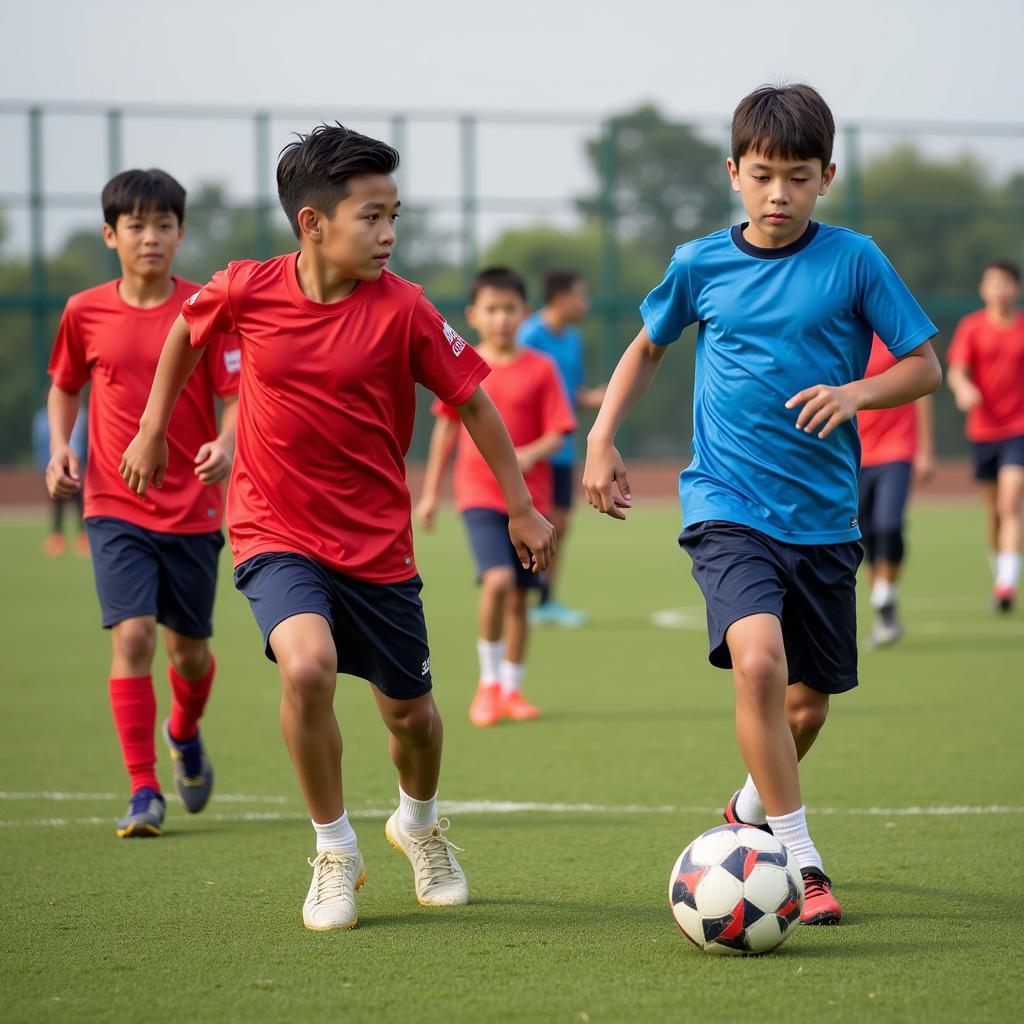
(54, 545)
(820, 906)
(82, 545)
(486, 707)
(515, 706)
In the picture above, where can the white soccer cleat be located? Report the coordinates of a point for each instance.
(440, 882)
(331, 900)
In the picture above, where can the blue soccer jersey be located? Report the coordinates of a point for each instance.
(773, 322)
(566, 349)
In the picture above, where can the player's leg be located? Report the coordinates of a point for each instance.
(986, 472)
(82, 540)
(892, 491)
(55, 545)
(1009, 496)
(514, 704)
(550, 611)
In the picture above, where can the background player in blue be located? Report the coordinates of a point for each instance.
(786, 308)
(553, 330)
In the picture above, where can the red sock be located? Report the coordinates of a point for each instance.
(189, 700)
(134, 705)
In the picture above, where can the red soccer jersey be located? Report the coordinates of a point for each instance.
(101, 338)
(886, 435)
(530, 396)
(326, 410)
(994, 356)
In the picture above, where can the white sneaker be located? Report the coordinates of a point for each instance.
(440, 881)
(331, 900)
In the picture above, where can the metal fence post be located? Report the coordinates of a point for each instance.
(854, 197)
(264, 241)
(609, 247)
(115, 163)
(40, 340)
(398, 137)
(467, 138)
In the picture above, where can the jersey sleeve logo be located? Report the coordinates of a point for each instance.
(192, 298)
(232, 360)
(457, 342)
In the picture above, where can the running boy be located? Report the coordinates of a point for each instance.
(554, 331)
(986, 375)
(318, 509)
(896, 444)
(525, 389)
(786, 308)
(154, 557)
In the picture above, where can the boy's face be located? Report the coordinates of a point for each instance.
(496, 314)
(574, 302)
(778, 195)
(999, 289)
(145, 242)
(358, 237)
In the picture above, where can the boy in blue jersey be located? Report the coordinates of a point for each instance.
(553, 330)
(786, 308)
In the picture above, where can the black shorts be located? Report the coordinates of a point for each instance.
(810, 588)
(991, 456)
(562, 477)
(378, 628)
(492, 546)
(172, 576)
(884, 490)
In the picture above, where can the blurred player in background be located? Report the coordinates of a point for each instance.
(54, 546)
(154, 556)
(897, 445)
(554, 330)
(986, 375)
(528, 394)
(319, 515)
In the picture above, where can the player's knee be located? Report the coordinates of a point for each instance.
(806, 719)
(889, 545)
(413, 722)
(500, 580)
(135, 641)
(309, 679)
(760, 675)
(190, 660)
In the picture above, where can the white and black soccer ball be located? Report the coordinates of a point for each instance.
(736, 890)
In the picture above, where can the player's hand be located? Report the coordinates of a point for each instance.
(426, 513)
(213, 461)
(63, 473)
(924, 468)
(823, 404)
(967, 396)
(144, 462)
(533, 537)
(526, 460)
(603, 474)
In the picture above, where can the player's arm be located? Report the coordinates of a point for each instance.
(63, 472)
(214, 458)
(145, 459)
(924, 458)
(443, 439)
(590, 398)
(537, 451)
(966, 393)
(915, 375)
(604, 469)
(531, 533)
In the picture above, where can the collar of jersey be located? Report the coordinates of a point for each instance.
(301, 299)
(773, 254)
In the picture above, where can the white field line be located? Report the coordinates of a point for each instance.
(230, 798)
(474, 807)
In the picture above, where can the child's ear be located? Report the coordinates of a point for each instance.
(734, 174)
(109, 236)
(827, 179)
(309, 223)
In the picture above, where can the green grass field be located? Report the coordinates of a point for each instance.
(569, 920)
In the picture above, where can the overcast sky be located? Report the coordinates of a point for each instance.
(912, 60)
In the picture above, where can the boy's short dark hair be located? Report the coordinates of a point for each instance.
(501, 278)
(142, 192)
(558, 282)
(1006, 266)
(788, 122)
(315, 169)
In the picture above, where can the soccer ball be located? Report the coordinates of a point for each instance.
(736, 890)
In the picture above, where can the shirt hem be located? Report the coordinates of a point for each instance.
(173, 530)
(801, 540)
(277, 548)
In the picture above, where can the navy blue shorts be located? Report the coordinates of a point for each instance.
(492, 546)
(563, 477)
(378, 628)
(810, 588)
(884, 490)
(141, 572)
(991, 456)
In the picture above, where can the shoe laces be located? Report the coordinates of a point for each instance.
(141, 800)
(433, 852)
(817, 884)
(331, 874)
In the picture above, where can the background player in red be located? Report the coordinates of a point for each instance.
(154, 556)
(986, 375)
(896, 444)
(526, 390)
(318, 509)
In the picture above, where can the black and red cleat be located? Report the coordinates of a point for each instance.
(820, 906)
(1004, 597)
(732, 818)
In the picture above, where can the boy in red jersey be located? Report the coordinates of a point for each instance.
(895, 445)
(318, 509)
(986, 375)
(526, 390)
(155, 557)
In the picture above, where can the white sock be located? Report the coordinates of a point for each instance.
(993, 562)
(1008, 569)
(338, 835)
(490, 655)
(511, 677)
(749, 807)
(791, 829)
(416, 815)
(883, 594)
